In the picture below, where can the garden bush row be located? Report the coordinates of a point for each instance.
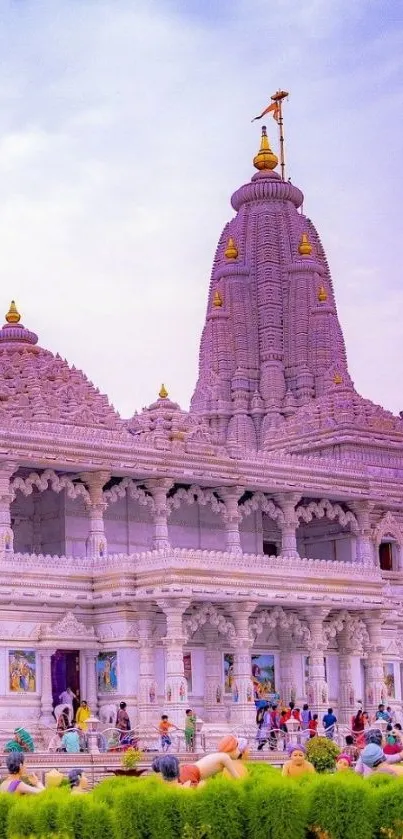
(264, 806)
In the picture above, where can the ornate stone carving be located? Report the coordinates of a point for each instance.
(285, 620)
(208, 613)
(42, 481)
(387, 526)
(331, 511)
(68, 628)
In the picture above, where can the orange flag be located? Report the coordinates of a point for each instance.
(274, 107)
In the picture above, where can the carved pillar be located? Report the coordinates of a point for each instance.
(317, 685)
(365, 545)
(7, 469)
(91, 681)
(147, 690)
(374, 682)
(287, 681)
(213, 690)
(288, 526)
(346, 685)
(47, 717)
(176, 696)
(159, 489)
(36, 524)
(232, 518)
(96, 542)
(243, 710)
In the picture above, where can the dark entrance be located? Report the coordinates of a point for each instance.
(65, 674)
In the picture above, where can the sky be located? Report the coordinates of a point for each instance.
(126, 126)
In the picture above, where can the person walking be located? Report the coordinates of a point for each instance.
(329, 722)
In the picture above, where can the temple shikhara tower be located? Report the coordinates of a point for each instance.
(249, 547)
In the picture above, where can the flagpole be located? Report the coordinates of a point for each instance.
(278, 98)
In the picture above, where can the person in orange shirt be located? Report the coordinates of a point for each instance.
(164, 728)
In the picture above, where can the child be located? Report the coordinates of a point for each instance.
(164, 729)
(190, 730)
(350, 749)
(313, 726)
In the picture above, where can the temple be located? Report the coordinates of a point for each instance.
(249, 547)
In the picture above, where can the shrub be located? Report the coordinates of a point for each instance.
(72, 815)
(6, 803)
(340, 806)
(131, 758)
(275, 808)
(388, 807)
(47, 810)
(222, 806)
(322, 752)
(21, 817)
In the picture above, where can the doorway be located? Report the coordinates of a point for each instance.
(65, 666)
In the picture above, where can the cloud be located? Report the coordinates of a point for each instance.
(124, 129)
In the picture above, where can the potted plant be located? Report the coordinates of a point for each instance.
(130, 760)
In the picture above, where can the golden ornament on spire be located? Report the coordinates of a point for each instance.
(13, 315)
(217, 299)
(305, 247)
(337, 379)
(322, 294)
(163, 394)
(231, 251)
(265, 158)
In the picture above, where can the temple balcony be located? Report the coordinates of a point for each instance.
(122, 578)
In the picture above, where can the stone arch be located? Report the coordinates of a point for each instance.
(387, 526)
(128, 487)
(47, 479)
(324, 507)
(195, 495)
(356, 630)
(260, 501)
(208, 613)
(285, 620)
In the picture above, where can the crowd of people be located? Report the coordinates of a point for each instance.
(275, 723)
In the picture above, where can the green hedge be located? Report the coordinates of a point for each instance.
(263, 806)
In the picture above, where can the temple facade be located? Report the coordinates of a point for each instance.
(250, 547)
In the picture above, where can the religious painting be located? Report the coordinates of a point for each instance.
(187, 669)
(228, 672)
(22, 671)
(107, 671)
(389, 679)
(263, 676)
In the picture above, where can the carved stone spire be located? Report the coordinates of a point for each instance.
(278, 338)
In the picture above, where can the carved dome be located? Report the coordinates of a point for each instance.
(37, 386)
(165, 423)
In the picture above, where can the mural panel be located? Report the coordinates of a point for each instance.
(107, 673)
(22, 671)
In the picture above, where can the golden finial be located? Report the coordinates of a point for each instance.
(305, 247)
(231, 251)
(163, 394)
(322, 294)
(217, 299)
(13, 315)
(337, 379)
(265, 158)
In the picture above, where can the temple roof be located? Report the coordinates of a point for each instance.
(272, 355)
(37, 386)
(164, 424)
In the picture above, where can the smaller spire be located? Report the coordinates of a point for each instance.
(163, 394)
(265, 158)
(337, 379)
(305, 247)
(231, 251)
(217, 299)
(322, 294)
(13, 315)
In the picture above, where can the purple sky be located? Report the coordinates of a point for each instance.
(124, 129)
